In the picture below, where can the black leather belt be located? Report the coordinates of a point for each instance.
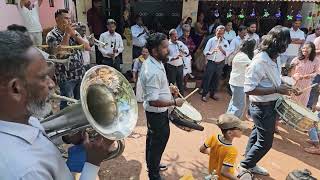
(263, 103)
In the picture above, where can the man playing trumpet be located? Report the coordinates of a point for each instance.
(68, 76)
(113, 46)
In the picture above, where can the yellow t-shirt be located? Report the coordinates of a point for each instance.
(221, 154)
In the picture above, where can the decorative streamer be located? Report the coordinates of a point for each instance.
(241, 15)
(253, 13)
(278, 14)
(229, 14)
(266, 13)
(299, 16)
(309, 18)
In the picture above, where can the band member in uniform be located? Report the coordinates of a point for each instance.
(26, 152)
(157, 99)
(263, 85)
(175, 65)
(114, 46)
(216, 50)
(68, 76)
(139, 35)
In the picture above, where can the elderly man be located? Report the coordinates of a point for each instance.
(157, 99)
(68, 76)
(216, 50)
(27, 153)
(30, 16)
(174, 67)
(312, 37)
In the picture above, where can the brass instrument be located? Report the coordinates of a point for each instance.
(114, 49)
(96, 42)
(107, 106)
(65, 48)
(215, 53)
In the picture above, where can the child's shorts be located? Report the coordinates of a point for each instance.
(314, 135)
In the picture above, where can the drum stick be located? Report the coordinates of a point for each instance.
(194, 91)
(313, 85)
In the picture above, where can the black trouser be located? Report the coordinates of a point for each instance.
(113, 63)
(157, 138)
(136, 51)
(175, 76)
(99, 56)
(212, 77)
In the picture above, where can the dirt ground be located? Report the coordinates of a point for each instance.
(183, 156)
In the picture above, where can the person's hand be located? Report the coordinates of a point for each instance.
(70, 29)
(307, 76)
(296, 91)
(174, 90)
(179, 102)
(97, 149)
(284, 89)
(220, 48)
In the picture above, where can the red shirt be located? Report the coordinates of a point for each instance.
(96, 21)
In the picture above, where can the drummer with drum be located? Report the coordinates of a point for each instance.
(157, 97)
(263, 85)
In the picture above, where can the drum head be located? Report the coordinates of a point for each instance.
(302, 110)
(187, 110)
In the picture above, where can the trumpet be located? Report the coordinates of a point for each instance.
(215, 53)
(96, 42)
(62, 47)
(105, 108)
(114, 49)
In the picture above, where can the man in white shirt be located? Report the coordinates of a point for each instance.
(297, 40)
(252, 28)
(216, 50)
(139, 35)
(312, 37)
(114, 46)
(157, 97)
(236, 42)
(263, 85)
(27, 153)
(174, 66)
(30, 16)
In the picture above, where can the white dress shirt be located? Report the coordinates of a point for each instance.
(154, 84)
(293, 49)
(239, 65)
(311, 37)
(31, 17)
(28, 154)
(112, 41)
(254, 36)
(229, 36)
(141, 40)
(235, 44)
(174, 51)
(257, 76)
(212, 44)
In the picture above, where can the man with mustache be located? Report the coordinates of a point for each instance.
(157, 98)
(27, 153)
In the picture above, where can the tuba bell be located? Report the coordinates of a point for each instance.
(107, 106)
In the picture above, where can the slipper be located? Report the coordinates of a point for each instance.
(312, 150)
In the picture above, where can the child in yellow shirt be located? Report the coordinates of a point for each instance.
(222, 154)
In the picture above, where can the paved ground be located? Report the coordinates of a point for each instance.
(183, 156)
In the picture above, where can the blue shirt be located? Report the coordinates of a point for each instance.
(28, 154)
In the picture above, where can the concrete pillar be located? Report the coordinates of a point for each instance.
(190, 9)
(308, 7)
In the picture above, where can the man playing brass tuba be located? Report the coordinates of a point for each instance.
(24, 90)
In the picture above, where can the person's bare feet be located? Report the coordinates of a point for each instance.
(312, 150)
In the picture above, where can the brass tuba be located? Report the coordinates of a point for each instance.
(107, 107)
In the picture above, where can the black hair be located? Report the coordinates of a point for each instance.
(189, 18)
(247, 47)
(276, 41)
(312, 53)
(250, 23)
(59, 12)
(13, 60)
(16, 27)
(224, 131)
(154, 41)
(241, 28)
